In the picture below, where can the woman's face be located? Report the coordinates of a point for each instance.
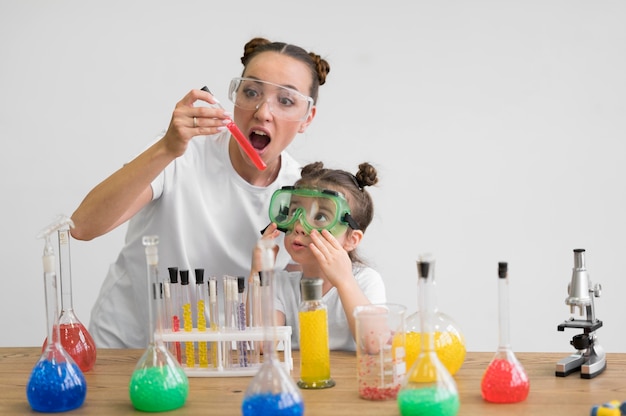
(268, 134)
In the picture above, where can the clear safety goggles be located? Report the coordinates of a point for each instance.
(314, 209)
(284, 103)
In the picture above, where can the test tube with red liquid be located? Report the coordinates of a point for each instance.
(242, 139)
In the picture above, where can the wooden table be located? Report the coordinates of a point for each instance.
(107, 387)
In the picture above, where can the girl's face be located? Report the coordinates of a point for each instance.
(297, 244)
(268, 134)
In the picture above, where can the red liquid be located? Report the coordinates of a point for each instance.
(79, 345)
(246, 146)
(176, 328)
(504, 382)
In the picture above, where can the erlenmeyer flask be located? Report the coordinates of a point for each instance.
(56, 383)
(158, 383)
(449, 339)
(271, 391)
(428, 387)
(504, 380)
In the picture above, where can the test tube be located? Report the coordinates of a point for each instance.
(215, 322)
(242, 346)
(229, 322)
(190, 358)
(241, 139)
(254, 314)
(203, 356)
(176, 307)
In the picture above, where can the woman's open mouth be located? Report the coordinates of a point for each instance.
(259, 139)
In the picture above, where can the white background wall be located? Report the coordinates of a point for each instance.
(497, 128)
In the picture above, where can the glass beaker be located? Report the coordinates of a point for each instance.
(504, 380)
(158, 382)
(428, 388)
(380, 350)
(271, 391)
(75, 338)
(56, 383)
(449, 339)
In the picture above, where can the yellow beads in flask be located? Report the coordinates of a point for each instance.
(449, 341)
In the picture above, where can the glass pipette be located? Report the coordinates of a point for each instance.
(241, 139)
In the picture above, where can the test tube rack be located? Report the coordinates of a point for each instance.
(222, 337)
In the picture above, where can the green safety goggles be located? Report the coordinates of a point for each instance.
(315, 210)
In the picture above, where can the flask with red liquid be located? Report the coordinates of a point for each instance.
(74, 337)
(504, 380)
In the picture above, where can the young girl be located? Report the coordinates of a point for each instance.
(324, 217)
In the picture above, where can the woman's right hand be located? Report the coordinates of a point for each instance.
(189, 120)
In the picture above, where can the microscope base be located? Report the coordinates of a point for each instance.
(590, 364)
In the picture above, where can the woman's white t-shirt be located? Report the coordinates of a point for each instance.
(205, 215)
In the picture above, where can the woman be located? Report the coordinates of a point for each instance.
(204, 198)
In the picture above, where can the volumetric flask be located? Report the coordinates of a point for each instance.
(504, 380)
(75, 338)
(271, 392)
(158, 383)
(380, 350)
(428, 388)
(448, 337)
(56, 383)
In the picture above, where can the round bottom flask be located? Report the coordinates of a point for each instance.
(448, 339)
(76, 340)
(158, 383)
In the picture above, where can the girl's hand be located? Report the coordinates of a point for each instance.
(270, 233)
(189, 121)
(332, 258)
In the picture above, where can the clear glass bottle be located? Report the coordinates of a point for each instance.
(314, 351)
(428, 387)
(449, 339)
(75, 338)
(271, 391)
(504, 380)
(56, 383)
(158, 382)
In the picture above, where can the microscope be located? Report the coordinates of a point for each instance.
(590, 357)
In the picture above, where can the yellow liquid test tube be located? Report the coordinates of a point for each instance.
(190, 358)
(203, 354)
